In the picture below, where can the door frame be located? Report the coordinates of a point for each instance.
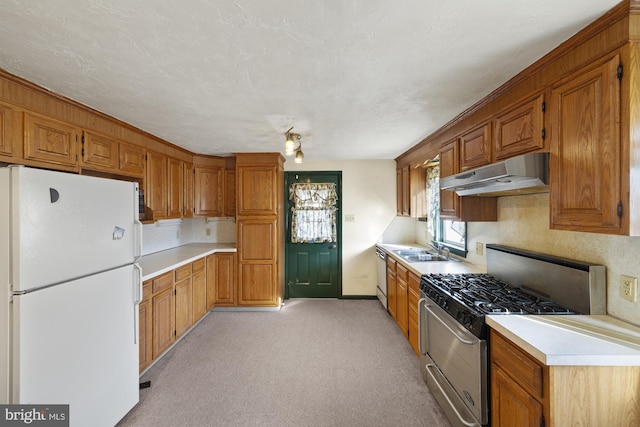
(289, 178)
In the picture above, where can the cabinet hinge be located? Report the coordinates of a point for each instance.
(175, 332)
(620, 71)
(542, 423)
(544, 133)
(620, 209)
(544, 106)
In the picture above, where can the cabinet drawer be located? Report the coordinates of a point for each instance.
(146, 290)
(391, 265)
(519, 365)
(182, 272)
(163, 282)
(402, 272)
(198, 265)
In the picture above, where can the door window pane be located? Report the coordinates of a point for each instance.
(313, 218)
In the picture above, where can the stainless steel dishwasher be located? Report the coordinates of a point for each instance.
(381, 269)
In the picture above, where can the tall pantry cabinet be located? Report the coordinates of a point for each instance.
(260, 228)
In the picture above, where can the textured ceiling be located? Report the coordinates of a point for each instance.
(359, 79)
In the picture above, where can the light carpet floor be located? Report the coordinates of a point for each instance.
(317, 362)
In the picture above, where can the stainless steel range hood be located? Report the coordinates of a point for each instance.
(525, 174)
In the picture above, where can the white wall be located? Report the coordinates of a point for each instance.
(368, 193)
(159, 236)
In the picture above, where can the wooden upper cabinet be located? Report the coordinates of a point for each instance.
(519, 128)
(586, 161)
(132, 159)
(209, 191)
(99, 152)
(156, 185)
(449, 161)
(257, 190)
(188, 207)
(176, 187)
(418, 189)
(10, 134)
(467, 208)
(475, 147)
(229, 192)
(403, 190)
(50, 142)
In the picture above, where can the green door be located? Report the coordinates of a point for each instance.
(312, 249)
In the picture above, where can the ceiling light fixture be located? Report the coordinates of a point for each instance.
(299, 154)
(290, 142)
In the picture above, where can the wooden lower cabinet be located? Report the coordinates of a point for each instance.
(525, 392)
(391, 286)
(171, 304)
(163, 321)
(183, 299)
(414, 298)
(221, 280)
(402, 297)
(199, 289)
(145, 328)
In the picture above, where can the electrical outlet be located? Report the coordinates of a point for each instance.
(479, 248)
(208, 231)
(349, 218)
(177, 234)
(629, 288)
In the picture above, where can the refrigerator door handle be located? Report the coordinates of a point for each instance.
(137, 250)
(137, 297)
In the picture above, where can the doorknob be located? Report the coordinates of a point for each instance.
(333, 246)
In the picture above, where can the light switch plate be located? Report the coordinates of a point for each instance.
(629, 288)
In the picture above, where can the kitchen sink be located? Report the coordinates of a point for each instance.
(419, 255)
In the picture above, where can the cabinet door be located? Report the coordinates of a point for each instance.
(399, 195)
(99, 152)
(223, 290)
(449, 166)
(163, 310)
(519, 128)
(156, 192)
(145, 334)
(257, 190)
(402, 299)
(176, 187)
(188, 194)
(511, 405)
(414, 298)
(391, 287)
(131, 159)
(208, 191)
(229, 192)
(475, 147)
(257, 256)
(183, 300)
(586, 162)
(50, 142)
(10, 134)
(406, 191)
(199, 284)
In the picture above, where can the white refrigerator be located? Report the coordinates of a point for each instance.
(69, 293)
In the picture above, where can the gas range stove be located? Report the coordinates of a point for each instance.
(469, 297)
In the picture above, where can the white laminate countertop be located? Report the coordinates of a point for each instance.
(568, 340)
(158, 263)
(426, 267)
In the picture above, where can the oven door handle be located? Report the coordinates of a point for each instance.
(455, 334)
(444, 393)
(420, 325)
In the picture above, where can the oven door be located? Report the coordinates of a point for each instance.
(454, 365)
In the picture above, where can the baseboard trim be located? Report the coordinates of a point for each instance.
(246, 309)
(358, 297)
